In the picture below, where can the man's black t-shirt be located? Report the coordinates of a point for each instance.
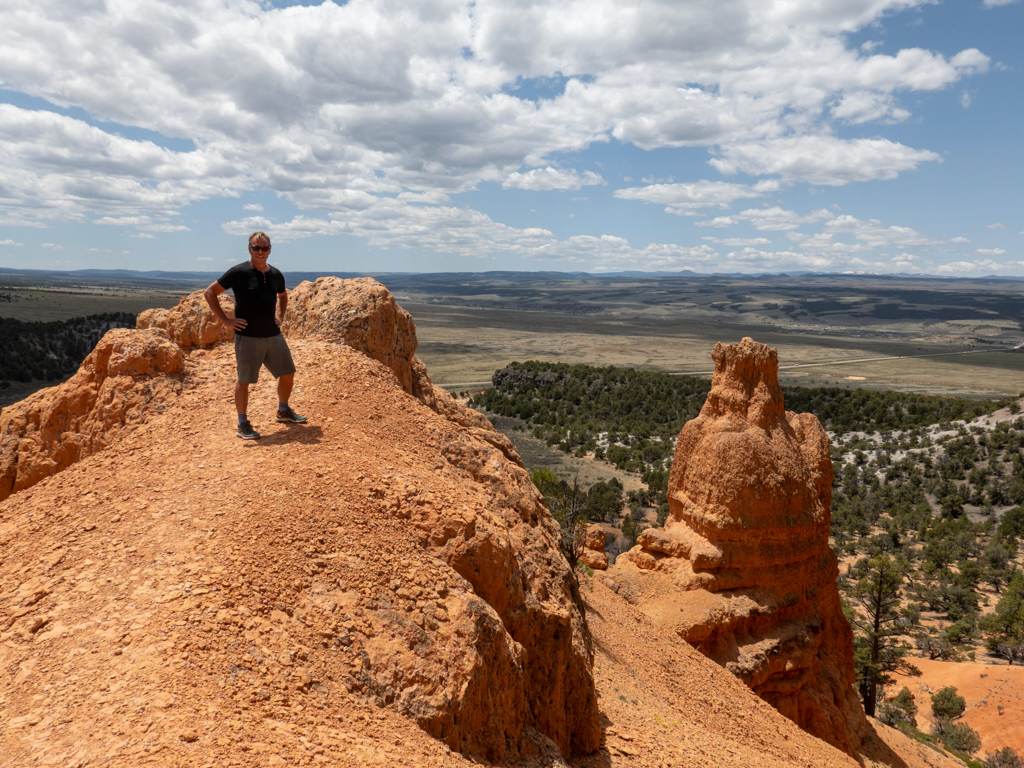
(255, 297)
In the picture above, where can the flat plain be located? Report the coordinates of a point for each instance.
(929, 336)
(926, 335)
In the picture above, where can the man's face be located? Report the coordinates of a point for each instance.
(259, 252)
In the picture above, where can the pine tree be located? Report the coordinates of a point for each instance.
(879, 625)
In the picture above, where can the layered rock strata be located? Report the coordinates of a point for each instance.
(430, 581)
(742, 567)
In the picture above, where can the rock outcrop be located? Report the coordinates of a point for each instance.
(128, 376)
(190, 323)
(742, 568)
(361, 314)
(593, 549)
(429, 580)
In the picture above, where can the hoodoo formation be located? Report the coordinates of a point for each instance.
(742, 568)
(166, 587)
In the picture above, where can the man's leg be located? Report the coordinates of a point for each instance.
(284, 387)
(242, 397)
(285, 413)
(248, 357)
(280, 364)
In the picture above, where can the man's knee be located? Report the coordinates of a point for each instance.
(287, 377)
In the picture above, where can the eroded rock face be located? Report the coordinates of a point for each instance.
(465, 617)
(593, 549)
(126, 375)
(360, 313)
(191, 323)
(742, 566)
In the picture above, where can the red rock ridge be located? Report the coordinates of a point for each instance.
(742, 567)
(476, 633)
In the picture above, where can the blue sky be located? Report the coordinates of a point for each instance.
(876, 136)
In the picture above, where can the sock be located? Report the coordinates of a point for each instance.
(282, 406)
(242, 418)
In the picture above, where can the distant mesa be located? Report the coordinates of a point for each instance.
(742, 568)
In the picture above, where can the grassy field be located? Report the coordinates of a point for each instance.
(466, 344)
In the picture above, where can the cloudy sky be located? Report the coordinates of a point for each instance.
(597, 135)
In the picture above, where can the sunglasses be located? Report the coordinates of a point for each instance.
(259, 248)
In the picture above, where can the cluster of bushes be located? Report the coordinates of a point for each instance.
(631, 418)
(949, 521)
(958, 737)
(49, 351)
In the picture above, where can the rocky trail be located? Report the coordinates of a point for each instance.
(380, 586)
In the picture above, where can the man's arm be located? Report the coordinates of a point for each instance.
(211, 294)
(282, 306)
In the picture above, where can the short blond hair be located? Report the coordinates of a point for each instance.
(257, 235)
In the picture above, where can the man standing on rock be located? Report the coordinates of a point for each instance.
(259, 289)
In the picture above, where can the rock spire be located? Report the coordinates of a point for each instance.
(742, 567)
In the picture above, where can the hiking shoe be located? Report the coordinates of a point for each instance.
(246, 432)
(290, 415)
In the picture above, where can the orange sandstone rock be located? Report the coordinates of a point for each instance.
(360, 313)
(191, 323)
(593, 549)
(126, 376)
(442, 593)
(742, 567)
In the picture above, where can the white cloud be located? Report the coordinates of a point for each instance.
(738, 242)
(542, 179)
(143, 236)
(205, 258)
(9, 242)
(142, 223)
(774, 219)
(718, 222)
(823, 245)
(333, 105)
(990, 251)
(822, 160)
(857, 107)
(252, 207)
(394, 224)
(994, 3)
(965, 99)
(876, 235)
(996, 225)
(54, 246)
(755, 258)
(959, 240)
(689, 199)
(52, 166)
(965, 267)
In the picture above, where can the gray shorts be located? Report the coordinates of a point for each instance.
(251, 352)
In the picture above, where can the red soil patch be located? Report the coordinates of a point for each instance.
(985, 687)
